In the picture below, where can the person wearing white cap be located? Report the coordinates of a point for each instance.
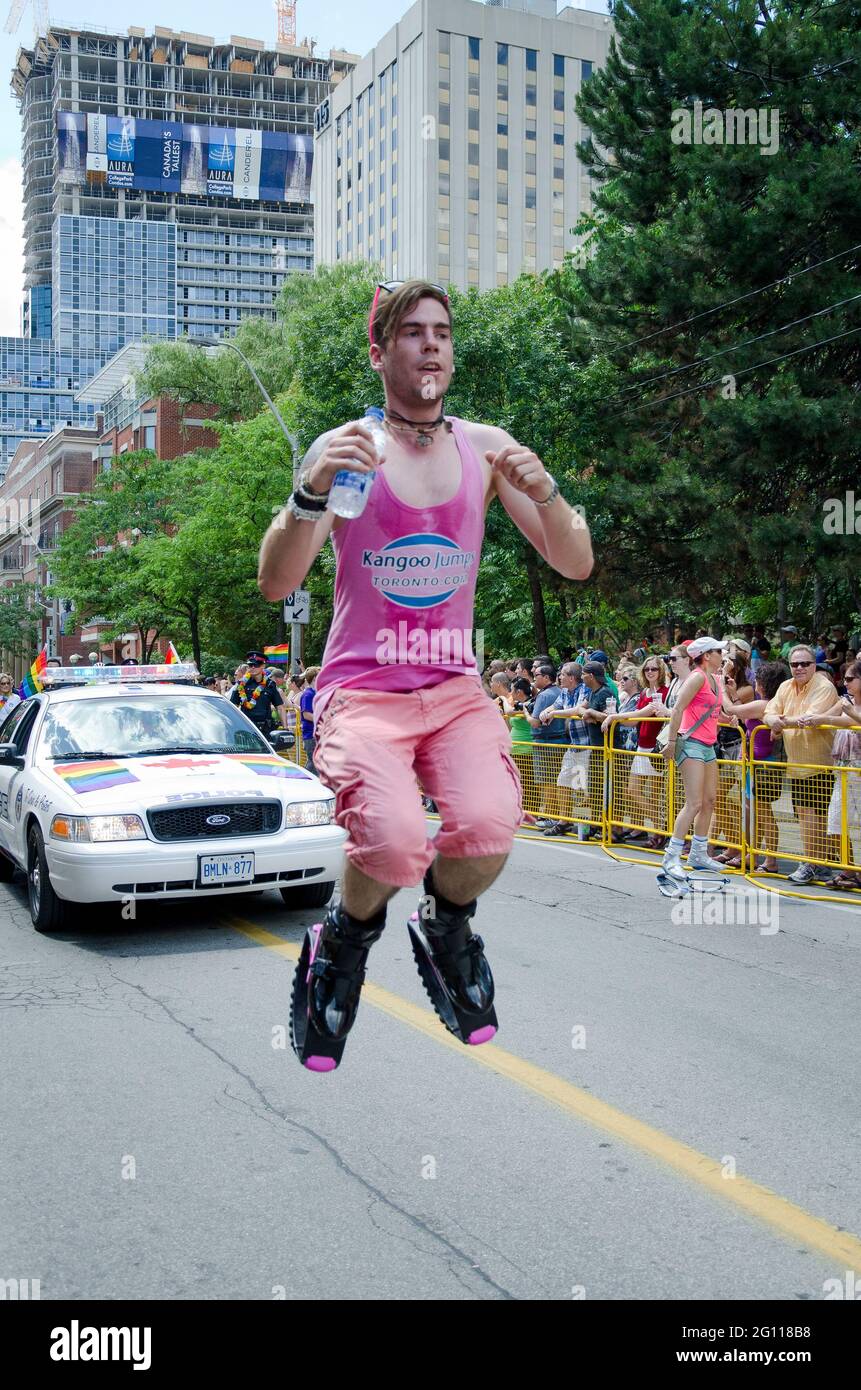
(691, 743)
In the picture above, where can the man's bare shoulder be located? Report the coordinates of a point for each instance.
(484, 437)
(314, 450)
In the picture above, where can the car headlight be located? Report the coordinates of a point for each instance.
(310, 812)
(97, 829)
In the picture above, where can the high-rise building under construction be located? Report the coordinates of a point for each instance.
(166, 192)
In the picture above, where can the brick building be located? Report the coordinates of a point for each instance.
(44, 478)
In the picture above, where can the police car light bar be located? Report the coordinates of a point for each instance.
(179, 671)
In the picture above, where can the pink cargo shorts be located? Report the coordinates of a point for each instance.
(373, 747)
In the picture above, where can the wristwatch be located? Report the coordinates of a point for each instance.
(554, 493)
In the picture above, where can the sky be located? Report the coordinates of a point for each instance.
(352, 25)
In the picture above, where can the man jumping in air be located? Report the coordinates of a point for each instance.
(399, 696)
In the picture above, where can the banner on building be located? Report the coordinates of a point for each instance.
(168, 157)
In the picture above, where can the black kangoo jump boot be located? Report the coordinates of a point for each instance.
(454, 968)
(327, 986)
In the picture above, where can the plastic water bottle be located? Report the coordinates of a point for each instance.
(611, 705)
(349, 493)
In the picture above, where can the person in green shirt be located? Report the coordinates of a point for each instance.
(789, 637)
(510, 697)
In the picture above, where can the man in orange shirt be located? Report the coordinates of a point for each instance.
(808, 752)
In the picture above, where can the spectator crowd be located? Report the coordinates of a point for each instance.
(780, 694)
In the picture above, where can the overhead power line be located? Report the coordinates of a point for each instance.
(744, 371)
(728, 304)
(737, 347)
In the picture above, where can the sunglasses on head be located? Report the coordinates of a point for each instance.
(389, 287)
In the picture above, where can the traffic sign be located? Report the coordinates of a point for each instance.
(297, 607)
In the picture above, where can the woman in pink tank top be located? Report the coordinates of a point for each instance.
(691, 740)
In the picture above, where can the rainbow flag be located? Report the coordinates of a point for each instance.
(267, 765)
(172, 658)
(94, 776)
(277, 656)
(32, 682)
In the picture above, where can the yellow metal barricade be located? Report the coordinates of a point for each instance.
(806, 813)
(296, 754)
(645, 793)
(562, 781)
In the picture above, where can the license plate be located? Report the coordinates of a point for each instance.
(213, 870)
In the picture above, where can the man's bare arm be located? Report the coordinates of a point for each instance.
(558, 533)
(290, 546)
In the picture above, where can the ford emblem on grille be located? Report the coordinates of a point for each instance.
(217, 820)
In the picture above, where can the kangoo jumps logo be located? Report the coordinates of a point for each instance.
(421, 570)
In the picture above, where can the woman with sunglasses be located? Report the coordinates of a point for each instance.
(8, 697)
(794, 713)
(404, 707)
(645, 784)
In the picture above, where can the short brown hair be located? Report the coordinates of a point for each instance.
(392, 308)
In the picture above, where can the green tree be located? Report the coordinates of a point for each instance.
(19, 620)
(710, 469)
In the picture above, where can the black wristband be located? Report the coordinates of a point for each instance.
(309, 503)
(304, 486)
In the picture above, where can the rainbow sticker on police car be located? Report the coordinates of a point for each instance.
(94, 776)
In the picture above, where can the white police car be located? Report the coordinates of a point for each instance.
(119, 784)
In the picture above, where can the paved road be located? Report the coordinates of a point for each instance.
(418, 1170)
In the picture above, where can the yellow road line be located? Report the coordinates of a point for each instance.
(789, 1220)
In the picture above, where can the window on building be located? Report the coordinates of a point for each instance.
(558, 101)
(444, 41)
(502, 127)
(531, 60)
(472, 119)
(585, 70)
(529, 195)
(502, 54)
(558, 65)
(474, 49)
(502, 91)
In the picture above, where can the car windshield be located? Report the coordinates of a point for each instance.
(131, 725)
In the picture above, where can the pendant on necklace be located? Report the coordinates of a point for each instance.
(423, 440)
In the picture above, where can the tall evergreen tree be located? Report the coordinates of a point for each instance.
(718, 244)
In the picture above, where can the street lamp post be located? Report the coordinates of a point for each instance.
(295, 628)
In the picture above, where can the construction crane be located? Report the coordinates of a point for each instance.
(40, 16)
(286, 13)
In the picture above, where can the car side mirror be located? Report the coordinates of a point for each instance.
(9, 756)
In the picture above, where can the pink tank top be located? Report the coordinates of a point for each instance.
(704, 700)
(404, 589)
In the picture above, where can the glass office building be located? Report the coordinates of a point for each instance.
(166, 190)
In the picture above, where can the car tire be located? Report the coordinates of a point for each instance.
(7, 869)
(307, 895)
(48, 912)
